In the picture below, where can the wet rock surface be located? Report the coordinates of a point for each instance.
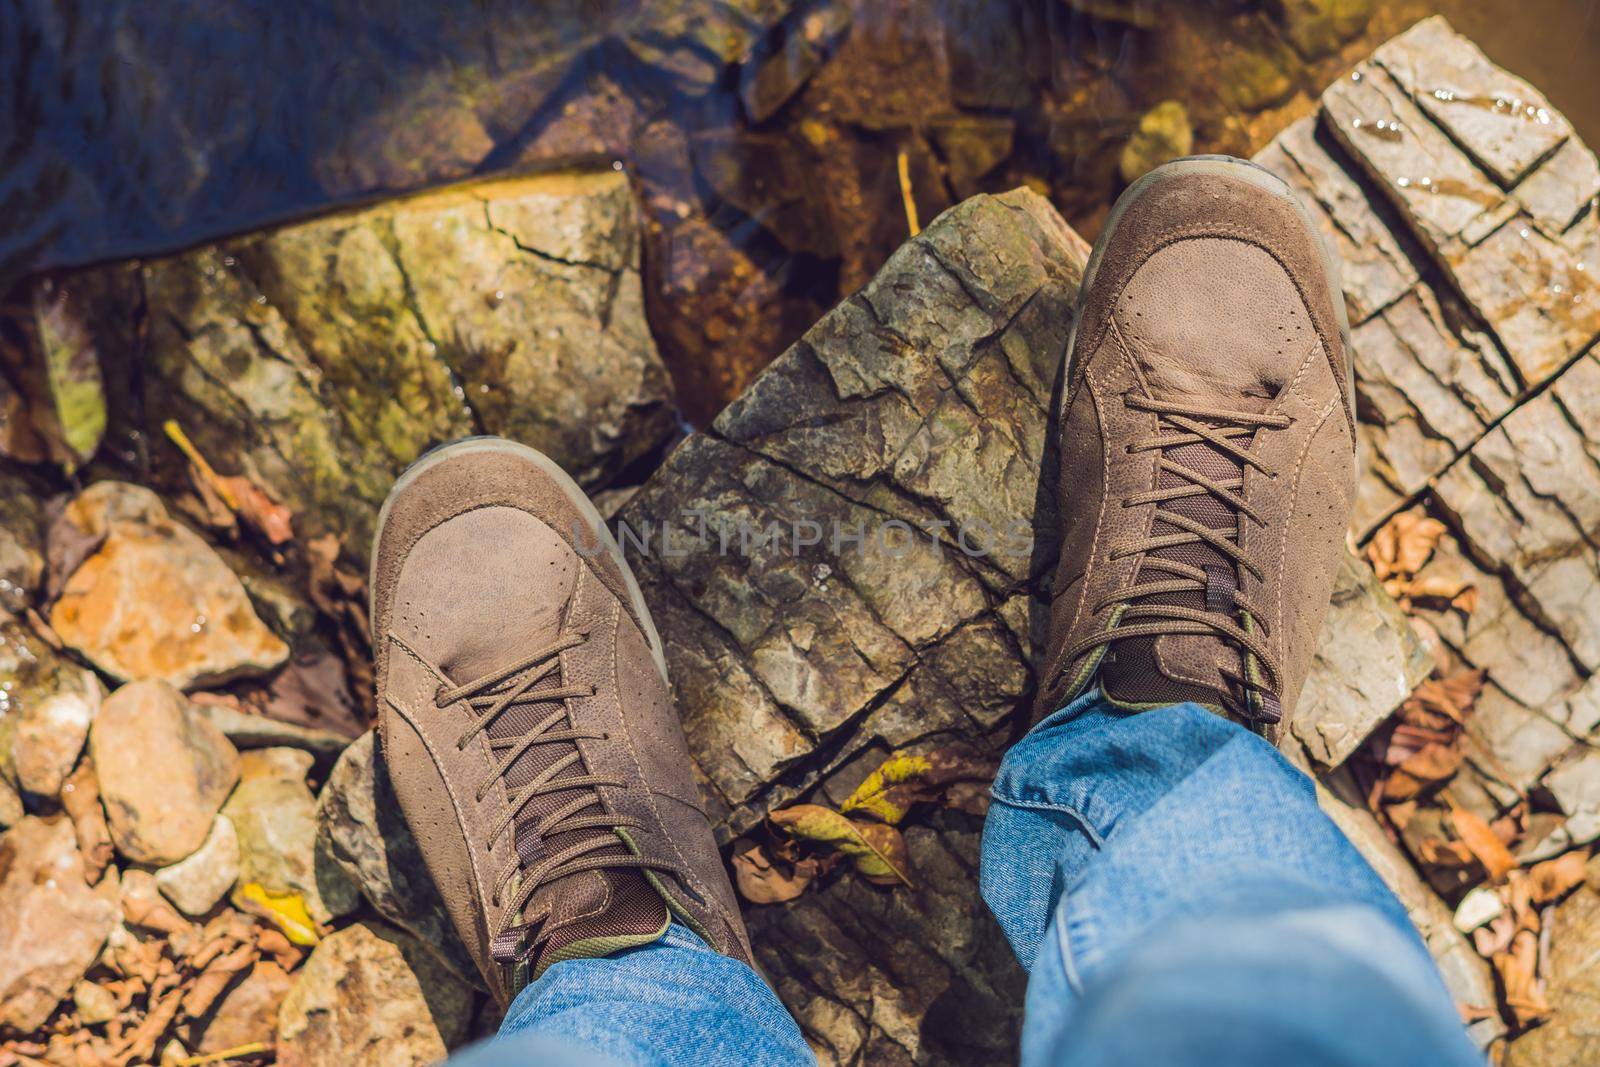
(49, 735)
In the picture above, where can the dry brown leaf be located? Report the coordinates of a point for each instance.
(1480, 839)
(210, 983)
(259, 511)
(1495, 936)
(1440, 852)
(143, 905)
(1403, 544)
(1518, 970)
(341, 594)
(1553, 879)
(1428, 767)
(760, 881)
(140, 1045)
(283, 952)
(890, 844)
(875, 850)
(1453, 697)
(80, 795)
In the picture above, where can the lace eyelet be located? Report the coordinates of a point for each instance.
(437, 694)
(594, 690)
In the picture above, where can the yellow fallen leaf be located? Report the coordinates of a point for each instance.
(877, 795)
(286, 911)
(903, 780)
(879, 857)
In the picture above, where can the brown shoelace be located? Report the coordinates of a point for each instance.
(1227, 613)
(489, 697)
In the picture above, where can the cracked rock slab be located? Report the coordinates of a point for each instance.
(322, 357)
(865, 509)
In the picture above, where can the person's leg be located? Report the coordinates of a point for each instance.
(671, 1002)
(1179, 898)
(527, 725)
(1162, 870)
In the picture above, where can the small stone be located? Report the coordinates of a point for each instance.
(154, 600)
(371, 994)
(1163, 134)
(51, 733)
(52, 925)
(94, 1003)
(247, 1013)
(198, 881)
(1476, 908)
(275, 816)
(164, 771)
(363, 842)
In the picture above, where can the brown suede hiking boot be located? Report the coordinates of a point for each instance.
(526, 720)
(1207, 450)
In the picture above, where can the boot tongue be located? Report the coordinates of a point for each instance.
(1182, 667)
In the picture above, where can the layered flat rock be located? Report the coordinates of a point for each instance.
(321, 358)
(1467, 207)
(1462, 205)
(1368, 660)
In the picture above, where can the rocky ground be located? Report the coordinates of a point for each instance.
(202, 859)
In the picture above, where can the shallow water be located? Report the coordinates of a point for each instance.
(781, 150)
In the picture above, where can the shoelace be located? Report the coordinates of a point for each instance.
(1227, 614)
(489, 697)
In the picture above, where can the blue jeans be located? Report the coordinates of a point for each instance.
(1168, 882)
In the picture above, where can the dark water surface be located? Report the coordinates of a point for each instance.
(778, 147)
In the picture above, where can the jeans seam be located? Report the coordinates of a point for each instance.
(1060, 809)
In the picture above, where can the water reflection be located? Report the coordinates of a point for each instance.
(781, 149)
